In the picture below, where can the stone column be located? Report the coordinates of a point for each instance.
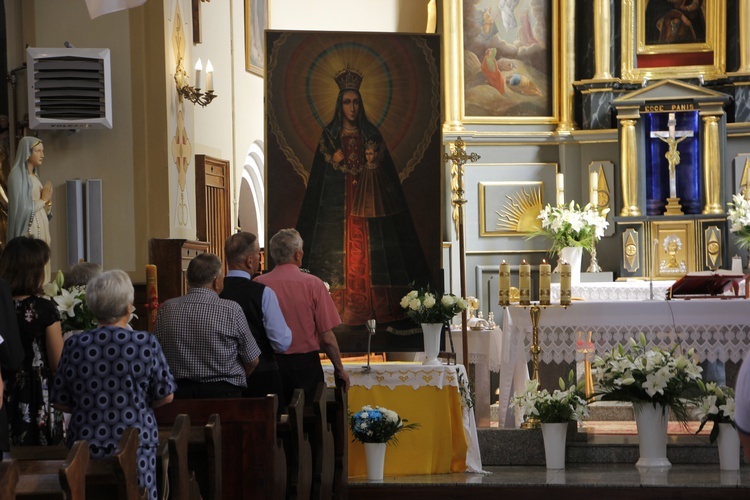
(567, 23)
(629, 169)
(711, 164)
(453, 73)
(602, 39)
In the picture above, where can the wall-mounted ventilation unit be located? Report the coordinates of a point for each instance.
(69, 88)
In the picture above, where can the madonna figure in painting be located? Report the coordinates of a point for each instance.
(358, 233)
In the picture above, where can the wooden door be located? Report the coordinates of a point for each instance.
(213, 202)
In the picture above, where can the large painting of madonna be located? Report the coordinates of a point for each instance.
(353, 162)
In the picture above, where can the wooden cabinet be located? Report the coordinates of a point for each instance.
(171, 257)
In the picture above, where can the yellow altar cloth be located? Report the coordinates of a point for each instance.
(446, 440)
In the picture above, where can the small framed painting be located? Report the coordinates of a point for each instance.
(256, 22)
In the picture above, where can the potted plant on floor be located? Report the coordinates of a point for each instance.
(554, 411)
(655, 381)
(375, 428)
(716, 404)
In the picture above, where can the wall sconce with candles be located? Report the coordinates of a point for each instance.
(193, 93)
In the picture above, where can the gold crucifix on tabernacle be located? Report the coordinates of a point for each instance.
(672, 138)
(458, 158)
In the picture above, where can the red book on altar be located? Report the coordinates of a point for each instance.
(710, 284)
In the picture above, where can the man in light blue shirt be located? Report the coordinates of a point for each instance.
(261, 308)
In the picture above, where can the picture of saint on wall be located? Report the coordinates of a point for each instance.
(353, 163)
(675, 21)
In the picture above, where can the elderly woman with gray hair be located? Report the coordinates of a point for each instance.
(111, 378)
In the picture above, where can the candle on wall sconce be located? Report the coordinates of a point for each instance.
(545, 278)
(193, 92)
(560, 189)
(198, 71)
(209, 76)
(504, 283)
(594, 190)
(524, 283)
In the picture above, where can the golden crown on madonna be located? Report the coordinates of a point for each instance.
(348, 79)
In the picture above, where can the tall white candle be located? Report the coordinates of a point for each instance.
(594, 189)
(504, 284)
(209, 76)
(560, 189)
(545, 274)
(198, 71)
(524, 282)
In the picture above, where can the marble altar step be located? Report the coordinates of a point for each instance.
(603, 411)
(502, 447)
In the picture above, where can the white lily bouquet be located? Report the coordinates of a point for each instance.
(572, 226)
(71, 303)
(643, 375)
(739, 220)
(715, 404)
(563, 405)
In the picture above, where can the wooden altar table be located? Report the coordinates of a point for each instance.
(446, 440)
(717, 329)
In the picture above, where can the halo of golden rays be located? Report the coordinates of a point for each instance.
(301, 91)
(520, 212)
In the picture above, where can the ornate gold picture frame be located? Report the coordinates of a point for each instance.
(509, 57)
(662, 39)
(256, 21)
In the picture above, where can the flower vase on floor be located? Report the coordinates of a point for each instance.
(573, 255)
(652, 434)
(729, 447)
(431, 334)
(375, 456)
(554, 435)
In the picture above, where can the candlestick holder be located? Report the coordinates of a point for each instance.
(594, 266)
(535, 313)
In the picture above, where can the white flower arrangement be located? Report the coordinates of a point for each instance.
(572, 226)
(424, 307)
(71, 303)
(562, 405)
(739, 220)
(715, 404)
(643, 375)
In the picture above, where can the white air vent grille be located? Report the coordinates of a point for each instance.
(69, 88)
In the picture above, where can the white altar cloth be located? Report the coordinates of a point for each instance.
(486, 354)
(717, 329)
(615, 290)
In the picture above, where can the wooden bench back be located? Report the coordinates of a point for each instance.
(249, 447)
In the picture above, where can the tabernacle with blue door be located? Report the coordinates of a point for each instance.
(674, 180)
(686, 134)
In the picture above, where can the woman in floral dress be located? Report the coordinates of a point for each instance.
(31, 418)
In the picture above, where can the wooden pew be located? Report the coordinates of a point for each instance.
(113, 478)
(182, 484)
(297, 448)
(117, 476)
(9, 472)
(252, 458)
(43, 475)
(321, 442)
(203, 459)
(337, 414)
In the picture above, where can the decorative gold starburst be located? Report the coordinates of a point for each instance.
(520, 212)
